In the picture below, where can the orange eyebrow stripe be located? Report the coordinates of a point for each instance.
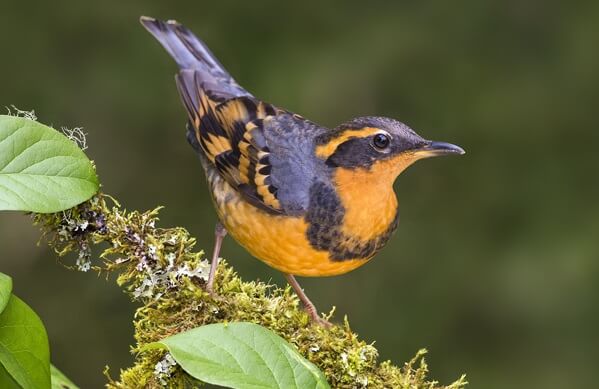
(326, 150)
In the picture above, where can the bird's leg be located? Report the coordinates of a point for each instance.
(308, 305)
(219, 234)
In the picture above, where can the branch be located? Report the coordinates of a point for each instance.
(160, 269)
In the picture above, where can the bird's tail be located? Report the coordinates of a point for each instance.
(193, 57)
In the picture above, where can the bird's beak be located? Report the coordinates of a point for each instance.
(437, 149)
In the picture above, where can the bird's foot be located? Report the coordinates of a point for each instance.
(210, 289)
(321, 322)
(316, 319)
(219, 233)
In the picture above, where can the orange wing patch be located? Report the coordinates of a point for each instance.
(216, 145)
(254, 164)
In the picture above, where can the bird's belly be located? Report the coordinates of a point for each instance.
(279, 241)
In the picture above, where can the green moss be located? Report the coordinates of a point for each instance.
(160, 269)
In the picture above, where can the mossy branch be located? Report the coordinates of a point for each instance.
(160, 269)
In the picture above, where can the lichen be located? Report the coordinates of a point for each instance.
(76, 135)
(161, 270)
(14, 111)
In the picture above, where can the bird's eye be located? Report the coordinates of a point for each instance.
(381, 141)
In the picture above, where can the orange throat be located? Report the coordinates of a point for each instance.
(368, 197)
(370, 203)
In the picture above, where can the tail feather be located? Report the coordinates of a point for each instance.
(190, 53)
(190, 90)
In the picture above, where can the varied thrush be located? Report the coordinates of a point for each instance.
(304, 199)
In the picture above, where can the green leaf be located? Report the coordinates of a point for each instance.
(41, 170)
(5, 290)
(24, 349)
(59, 380)
(242, 355)
(6, 380)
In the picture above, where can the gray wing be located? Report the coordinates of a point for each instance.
(290, 140)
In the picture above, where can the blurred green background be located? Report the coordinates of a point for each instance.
(495, 266)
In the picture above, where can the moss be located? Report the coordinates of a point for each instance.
(161, 270)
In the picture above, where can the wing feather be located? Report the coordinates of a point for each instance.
(231, 135)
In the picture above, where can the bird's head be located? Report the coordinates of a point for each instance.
(377, 149)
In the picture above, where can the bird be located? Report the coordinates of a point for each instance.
(305, 199)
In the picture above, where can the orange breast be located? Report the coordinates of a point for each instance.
(279, 241)
(368, 199)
